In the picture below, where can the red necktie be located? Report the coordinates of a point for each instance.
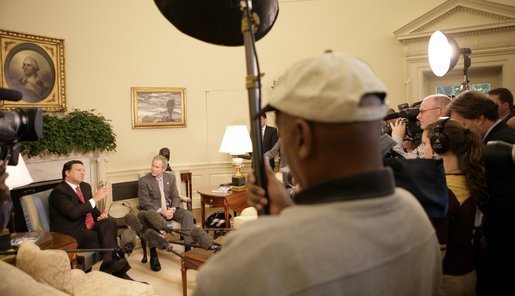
(89, 218)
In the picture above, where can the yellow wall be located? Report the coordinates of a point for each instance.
(113, 45)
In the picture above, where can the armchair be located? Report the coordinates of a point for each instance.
(35, 212)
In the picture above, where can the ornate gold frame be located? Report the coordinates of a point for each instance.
(48, 92)
(150, 107)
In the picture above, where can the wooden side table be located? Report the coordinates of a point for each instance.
(236, 201)
(186, 178)
(52, 241)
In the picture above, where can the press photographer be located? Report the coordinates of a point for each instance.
(431, 108)
(407, 116)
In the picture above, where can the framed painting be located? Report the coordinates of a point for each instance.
(33, 65)
(155, 107)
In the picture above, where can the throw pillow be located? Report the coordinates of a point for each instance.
(51, 267)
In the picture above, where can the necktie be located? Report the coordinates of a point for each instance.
(89, 218)
(162, 192)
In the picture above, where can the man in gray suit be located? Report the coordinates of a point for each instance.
(157, 191)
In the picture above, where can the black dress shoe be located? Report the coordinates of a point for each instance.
(154, 264)
(114, 266)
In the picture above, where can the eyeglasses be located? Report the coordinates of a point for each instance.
(422, 111)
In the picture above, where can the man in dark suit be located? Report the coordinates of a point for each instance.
(270, 137)
(73, 211)
(476, 111)
(157, 191)
(504, 100)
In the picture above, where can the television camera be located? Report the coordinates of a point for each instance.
(19, 125)
(409, 116)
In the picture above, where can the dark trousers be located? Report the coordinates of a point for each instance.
(102, 235)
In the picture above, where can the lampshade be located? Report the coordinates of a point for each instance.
(443, 52)
(236, 140)
(18, 175)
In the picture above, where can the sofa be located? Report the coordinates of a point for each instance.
(48, 272)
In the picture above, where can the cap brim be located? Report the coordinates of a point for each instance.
(267, 108)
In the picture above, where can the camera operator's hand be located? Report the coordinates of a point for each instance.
(398, 130)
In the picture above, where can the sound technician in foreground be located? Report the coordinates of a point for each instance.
(73, 211)
(351, 232)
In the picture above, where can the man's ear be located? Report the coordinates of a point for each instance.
(303, 138)
(480, 120)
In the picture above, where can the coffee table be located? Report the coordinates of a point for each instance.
(196, 257)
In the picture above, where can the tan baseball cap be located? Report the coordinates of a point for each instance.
(328, 88)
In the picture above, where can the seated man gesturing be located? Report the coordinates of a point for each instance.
(157, 191)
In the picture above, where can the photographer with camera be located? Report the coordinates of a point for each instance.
(431, 108)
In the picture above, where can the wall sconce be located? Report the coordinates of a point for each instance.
(18, 175)
(444, 52)
(236, 141)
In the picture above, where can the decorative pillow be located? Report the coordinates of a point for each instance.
(51, 267)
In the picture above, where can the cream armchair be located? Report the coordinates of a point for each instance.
(35, 212)
(48, 272)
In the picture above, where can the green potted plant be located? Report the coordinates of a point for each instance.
(73, 132)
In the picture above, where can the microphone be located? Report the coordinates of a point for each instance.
(203, 240)
(158, 222)
(128, 240)
(155, 240)
(143, 220)
(134, 224)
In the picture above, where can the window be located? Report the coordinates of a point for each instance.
(454, 90)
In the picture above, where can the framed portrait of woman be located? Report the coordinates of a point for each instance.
(34, 66)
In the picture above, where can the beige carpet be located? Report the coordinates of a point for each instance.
(168, 280)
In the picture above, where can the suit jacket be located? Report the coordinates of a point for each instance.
(67, 213)
(501, 132)
(149, 195)
(499, 207)
(269, 139)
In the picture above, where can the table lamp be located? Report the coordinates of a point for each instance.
(18, 175)
(236, 141)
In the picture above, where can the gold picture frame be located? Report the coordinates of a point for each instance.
(158, 107)
(33, 65)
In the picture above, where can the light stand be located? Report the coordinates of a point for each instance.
(444, 52)
(466, 65)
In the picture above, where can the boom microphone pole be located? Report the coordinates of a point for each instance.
(253, 84)
(216, 22)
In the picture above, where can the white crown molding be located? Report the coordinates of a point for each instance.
(479, 17)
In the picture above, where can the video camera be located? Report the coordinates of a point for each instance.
(20, 125)
(409, 116)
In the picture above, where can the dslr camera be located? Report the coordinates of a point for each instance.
(409, 116)
(19, 125)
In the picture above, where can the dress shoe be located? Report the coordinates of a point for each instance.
(113, 266)
(154, 264)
